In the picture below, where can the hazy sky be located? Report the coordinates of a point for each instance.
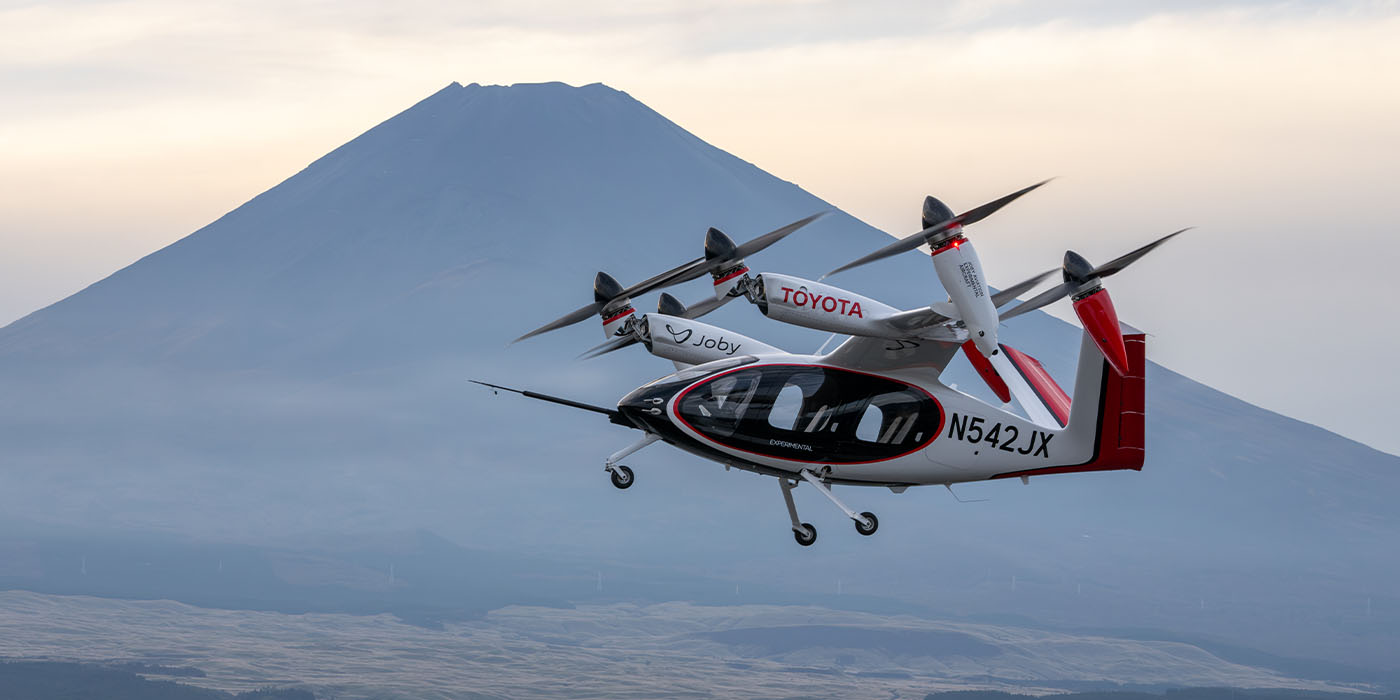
(1274, 127)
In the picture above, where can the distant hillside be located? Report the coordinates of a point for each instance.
(1170, 694)
(52, 680)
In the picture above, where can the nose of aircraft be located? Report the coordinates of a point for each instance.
(646, 406)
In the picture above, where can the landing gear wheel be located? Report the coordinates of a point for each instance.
(874, 524)
(621, 476)
(806, 536)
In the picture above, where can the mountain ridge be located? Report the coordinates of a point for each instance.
(299, 365)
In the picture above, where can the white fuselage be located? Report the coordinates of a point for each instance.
(787, 413)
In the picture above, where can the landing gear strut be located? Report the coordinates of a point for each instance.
(866, 524)
(805, 534)
(622, 476)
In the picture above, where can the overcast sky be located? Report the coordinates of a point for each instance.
(1273, 127)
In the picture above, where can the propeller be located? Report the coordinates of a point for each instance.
(939, 224)
(605, 290)
(1080, 275)
(667, 305)
(720, 254)
(1092, 304)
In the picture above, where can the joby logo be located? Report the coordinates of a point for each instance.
(679, 337)
(683, 336)
(818, 302)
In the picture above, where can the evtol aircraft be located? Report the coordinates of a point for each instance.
(873, 411)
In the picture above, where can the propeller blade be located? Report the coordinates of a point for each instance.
(697, 267)
(972, 216)
(706, 305)
(902, 245)
(684, 272)
(1122, 261)
(567, 319)
(775, 235)
(1017, 290)
(913, 241)
(609, 346)
(680, 273)
(1048, 296)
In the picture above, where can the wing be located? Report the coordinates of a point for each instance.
(879, 354)
(943, 312)
(915, 319)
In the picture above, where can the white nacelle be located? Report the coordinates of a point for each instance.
(616, 316)
(727, 279)
(692, 342)
(960, 272)
(823, 307)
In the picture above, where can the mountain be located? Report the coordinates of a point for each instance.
(298, 367)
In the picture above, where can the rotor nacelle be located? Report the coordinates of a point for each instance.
(960, 272)
(820, 306)
(616, 308)
(1095, 310)
(1094, 307)
(727, 269)
(956, 263)
(1083, 284)
(674, 334)
(691, 342)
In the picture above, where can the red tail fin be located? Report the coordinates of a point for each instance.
(1109, 412)
(1122, 442)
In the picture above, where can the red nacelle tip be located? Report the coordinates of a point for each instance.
(1100, 319)
(987, 371)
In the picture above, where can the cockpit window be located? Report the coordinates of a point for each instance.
(812, 413)
(868, 429)
(720, 404)
(890, 419)
(797, 392)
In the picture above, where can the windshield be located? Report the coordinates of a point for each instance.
(720, 404)
(692, 373)
(812, 413)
